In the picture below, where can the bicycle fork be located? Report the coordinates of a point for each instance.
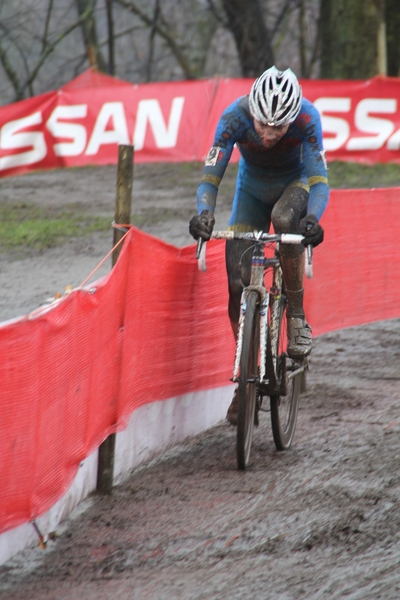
(256, 284)
(239, 341)
(264, 303)
(263, 337)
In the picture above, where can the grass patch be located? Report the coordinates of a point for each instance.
(32, 227)
(154, 216)
(26, 226)
(344, 175)
(341, 175)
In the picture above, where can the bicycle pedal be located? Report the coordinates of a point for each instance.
(298, 364)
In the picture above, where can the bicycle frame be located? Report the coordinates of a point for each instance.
(258, 266)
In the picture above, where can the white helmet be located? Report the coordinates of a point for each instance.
(275, 97)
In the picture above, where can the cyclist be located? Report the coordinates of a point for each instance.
(282, 178)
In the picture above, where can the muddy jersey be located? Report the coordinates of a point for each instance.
(297, 159)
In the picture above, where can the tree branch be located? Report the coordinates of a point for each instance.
(282, 14)
(151, 39)
(165, 34)
(51, 47)
(46, 25)
(218, 17)
(111, 38)
(11, 74)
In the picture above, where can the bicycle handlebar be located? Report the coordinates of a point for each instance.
(254, 236)
(258, 236)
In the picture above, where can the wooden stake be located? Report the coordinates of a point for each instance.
(123, 200)
(105, 470)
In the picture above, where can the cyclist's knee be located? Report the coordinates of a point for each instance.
(286, 215)
(285, 219)
(289, 209)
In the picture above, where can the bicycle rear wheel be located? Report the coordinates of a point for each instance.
(247, 390)
(284, 407)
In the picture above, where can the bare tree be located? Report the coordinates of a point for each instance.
(261, 32)
(28, 41)
(159, 25)
(111, 45)
(151, 40)
(156, 14)
(89, 31)
(245, 20)
(267, 33)
(348, 32)
(392, 17)
(309, 40)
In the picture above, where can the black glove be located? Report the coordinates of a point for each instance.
(312, 230)
(202, 225)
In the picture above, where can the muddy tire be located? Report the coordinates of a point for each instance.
(248, 381)
(284, 407)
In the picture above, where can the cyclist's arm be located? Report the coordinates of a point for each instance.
(208, 189)
(218, 158)
(315, 165)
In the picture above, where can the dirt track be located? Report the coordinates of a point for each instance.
(319, 521)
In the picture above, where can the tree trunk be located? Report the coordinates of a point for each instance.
(253, 40)
(348, 34)
(110, 28)
(302, 40)
(153, 32)
(393, 43)
(89, 32)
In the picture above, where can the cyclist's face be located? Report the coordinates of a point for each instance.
(270, 134)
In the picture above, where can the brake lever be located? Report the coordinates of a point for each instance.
(309, 268)
(200, 243)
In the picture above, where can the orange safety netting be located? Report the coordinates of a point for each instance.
(155, 328)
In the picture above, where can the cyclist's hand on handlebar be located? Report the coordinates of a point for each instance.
(201, 225)
(312, 230)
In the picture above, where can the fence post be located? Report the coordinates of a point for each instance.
(123, 203)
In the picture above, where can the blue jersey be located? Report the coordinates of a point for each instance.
(297, 158)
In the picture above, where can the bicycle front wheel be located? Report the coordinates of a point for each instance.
(285, 406)
(248, 378)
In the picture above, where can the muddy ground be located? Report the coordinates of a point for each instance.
(319, 521)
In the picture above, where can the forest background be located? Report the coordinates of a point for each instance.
(46, 43)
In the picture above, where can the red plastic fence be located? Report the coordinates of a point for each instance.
(84, 121)
(155, 328)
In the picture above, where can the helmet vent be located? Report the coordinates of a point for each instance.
(275, 101)
(275, 97)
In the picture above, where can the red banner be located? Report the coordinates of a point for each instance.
(83, 122)
(156, 328)
(360, 119)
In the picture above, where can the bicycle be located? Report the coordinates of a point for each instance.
(262, 366)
